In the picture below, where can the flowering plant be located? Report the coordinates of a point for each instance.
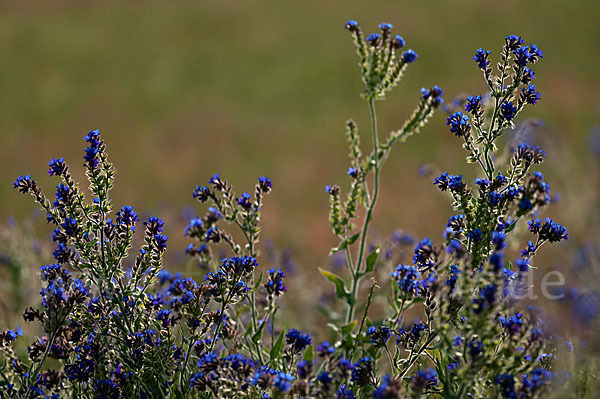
(117, 327)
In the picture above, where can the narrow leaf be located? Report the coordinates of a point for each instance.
(348, 328)
(340, 288)
(277, 346)
(371, 259)
(308, 354)
(344, 244)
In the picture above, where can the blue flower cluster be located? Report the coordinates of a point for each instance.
(120, 326)
(93, 149)
(548, 230)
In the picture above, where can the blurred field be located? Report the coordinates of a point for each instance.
(182, 90)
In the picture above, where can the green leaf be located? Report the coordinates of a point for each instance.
(277, 346)
(347, 328)
(371, 259)
(344, 244)
(340, 287)
(308, 354)
(257, 334)
(257, 284)
(512, 226)
(372, 351)
(348, 342)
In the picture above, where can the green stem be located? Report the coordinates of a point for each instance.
(356, 276)
(41, 363)
(414, 358)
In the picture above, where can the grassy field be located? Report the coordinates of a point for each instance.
(183, 90)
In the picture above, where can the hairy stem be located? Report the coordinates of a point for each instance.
(356, 275)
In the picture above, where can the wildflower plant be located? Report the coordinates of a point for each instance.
(118, 325)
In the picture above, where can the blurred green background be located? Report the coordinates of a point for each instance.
(184, 89)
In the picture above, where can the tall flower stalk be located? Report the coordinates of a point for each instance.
(382, 63)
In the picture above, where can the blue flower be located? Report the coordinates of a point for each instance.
(408, 278)
(475, 235)
(352, 172)
(324, 378)
(482, 183)
(459, 124)
(194, 227)
(163, 317)
(265, 184)
(362, 372)
(62, 254)
(384, 26)
(63, 195)
(373, 39)
(534, 53)
(513, 41)
(57, 167)
(283, 381)
(456, 223)
(475, 348)
(126, 216)
(485, 298)
(508, 110)
(202, 193)
(214, 179)
(332, 189)
(451, 182)
(482, 58)
(13, 334)
(522, 264)
(497, 260)
(389, 388)
(452, 276)
(527, 76)
(379, 335)
(213, 234)
(297, 340)
(398, 42)
(499, 180)
(536, 380)
(498, 239)
(506, 382)
(424, 254)
(522, 56)
(24, 183)
(494, 198)
(424, 379)
(473, 104)
(344, 393)
(529, 95)
(549, 230)
(275, 284)
(245, 201)
(436, 91)
(513, 323)
(530, 153)
(352, 25)
(92, 151)
(70, 226)
(238, 265)
(93, 138)
(304, 368)
(409, 56)
(325, 349)
(161, 242)
(154, 225)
